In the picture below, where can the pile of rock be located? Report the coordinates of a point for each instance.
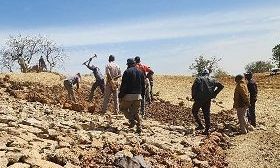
(37, 132)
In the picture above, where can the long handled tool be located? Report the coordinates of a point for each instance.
(94, 56)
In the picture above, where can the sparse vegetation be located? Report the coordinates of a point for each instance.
(259, 67)
(220, 73)
(202, 63)
(276, 55)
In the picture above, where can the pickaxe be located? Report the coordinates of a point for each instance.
(95, 56)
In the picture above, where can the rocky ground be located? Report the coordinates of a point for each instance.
(40, 128)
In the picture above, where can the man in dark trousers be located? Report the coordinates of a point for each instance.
(69, 86)
(149, 83)
(253, 91)
(99, 79)
(204, 89)
(132, 91)
(42, 64)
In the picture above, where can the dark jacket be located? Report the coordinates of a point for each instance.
(133, 82)
(205, 88)
(253, 89)
(241, 97)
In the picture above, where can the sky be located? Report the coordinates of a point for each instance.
(167, 34)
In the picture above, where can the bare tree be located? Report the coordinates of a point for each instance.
(53, 54)
(6, 61)
(26, 50)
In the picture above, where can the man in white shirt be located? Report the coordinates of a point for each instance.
(113, 73)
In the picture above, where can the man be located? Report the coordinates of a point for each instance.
(253, 90)
(23, 65)
(42, 64)
(204, 89)
(145, 70)
(99, 79)
(150, 76)
(113, 73)
(241, 103)
(132, 90)
(70, 83)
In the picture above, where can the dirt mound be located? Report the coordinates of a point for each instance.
(55, 95)
(166, 112)
(212, 150)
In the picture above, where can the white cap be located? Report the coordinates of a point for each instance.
(205, 71)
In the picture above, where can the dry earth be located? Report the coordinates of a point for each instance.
(258, 149)
(38, 127)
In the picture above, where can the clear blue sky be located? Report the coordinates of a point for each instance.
(167, 34)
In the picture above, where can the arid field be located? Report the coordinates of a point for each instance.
(40, 128)
(257, 149)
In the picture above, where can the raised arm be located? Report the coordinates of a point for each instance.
(91, 67)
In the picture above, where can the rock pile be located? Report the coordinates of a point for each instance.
(40, 133)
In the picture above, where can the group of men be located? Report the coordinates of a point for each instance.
(136, 88)
(129, 97)
(206, 88)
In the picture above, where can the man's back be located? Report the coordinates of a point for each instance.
(97, 73)
(205, 88)
(143, 68)
(113, 69)
(74, 80)
(132, 82)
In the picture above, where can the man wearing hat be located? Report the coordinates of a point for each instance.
(204, 89)
(253, 90)
(132, 91)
